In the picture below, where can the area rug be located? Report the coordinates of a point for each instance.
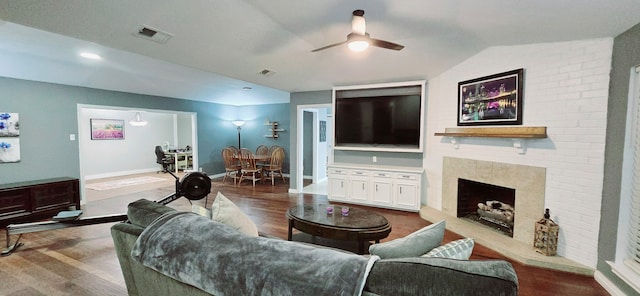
(123, 183)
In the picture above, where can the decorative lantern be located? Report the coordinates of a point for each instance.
(545, 239)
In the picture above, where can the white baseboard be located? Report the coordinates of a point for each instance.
(607, 284)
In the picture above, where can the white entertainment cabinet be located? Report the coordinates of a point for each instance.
(390, 187)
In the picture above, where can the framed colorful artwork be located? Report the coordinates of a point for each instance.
(9, 137)
(491, 100)
(107, 129)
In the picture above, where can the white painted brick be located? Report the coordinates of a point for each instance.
(596, 93)
(566, 90)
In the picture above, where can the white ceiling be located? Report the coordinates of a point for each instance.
(219, 46)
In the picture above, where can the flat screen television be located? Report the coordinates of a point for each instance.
(379, 118)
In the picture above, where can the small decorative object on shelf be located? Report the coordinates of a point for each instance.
(545, 239)
(274, 129)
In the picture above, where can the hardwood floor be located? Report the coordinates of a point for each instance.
(82, 261)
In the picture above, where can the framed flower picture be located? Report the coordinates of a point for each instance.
(9, 137)
(107, 129)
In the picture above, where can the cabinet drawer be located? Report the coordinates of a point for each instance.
(14, 202)
(53, 196)
(338, 171)
(382, 175)
(412, 177)
(359, 173)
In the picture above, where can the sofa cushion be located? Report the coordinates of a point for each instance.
(225, 211)
(413, 245)
(441, 276)
(459, 249)
(142, 212)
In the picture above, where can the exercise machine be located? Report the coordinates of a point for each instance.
(193, 186)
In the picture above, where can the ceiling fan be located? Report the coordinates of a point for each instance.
(358, 39)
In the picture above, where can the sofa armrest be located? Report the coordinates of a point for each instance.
(441, 276)
(141, 280)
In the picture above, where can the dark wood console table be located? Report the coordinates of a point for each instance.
(32, 200)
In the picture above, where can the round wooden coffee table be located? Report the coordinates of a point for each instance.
(360, 225)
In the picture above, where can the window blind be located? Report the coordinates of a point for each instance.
(633, 260)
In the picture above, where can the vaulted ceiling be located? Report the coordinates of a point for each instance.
(217, 48)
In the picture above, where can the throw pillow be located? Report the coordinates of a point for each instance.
(412, 245)
(225, 211)
(459, 249)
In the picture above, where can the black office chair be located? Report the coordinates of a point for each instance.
(163, 159)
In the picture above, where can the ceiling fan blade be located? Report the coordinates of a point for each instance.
(329, 46)
(385, 44)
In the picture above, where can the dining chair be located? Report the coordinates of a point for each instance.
(275, 165)
(236, 150)
(262, 150)
(231, 164)
(273, 147)
(249, 169)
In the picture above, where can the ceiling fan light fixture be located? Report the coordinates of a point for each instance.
(358, 24)
(358, 45)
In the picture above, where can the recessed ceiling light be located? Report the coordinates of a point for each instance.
(90, 55)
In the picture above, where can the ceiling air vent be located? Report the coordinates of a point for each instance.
(267, 73)
(153, 34)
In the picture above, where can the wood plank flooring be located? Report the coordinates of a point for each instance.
(82, 260)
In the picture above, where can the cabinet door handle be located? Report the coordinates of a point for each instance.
(362, 186)
(341, 184)
(400, 189)
(376, 187)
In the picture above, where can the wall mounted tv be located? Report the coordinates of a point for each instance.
(381, 117)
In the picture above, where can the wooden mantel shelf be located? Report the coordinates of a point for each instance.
(526, 132)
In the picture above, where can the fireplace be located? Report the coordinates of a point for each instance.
(487, 204)
(528, 182)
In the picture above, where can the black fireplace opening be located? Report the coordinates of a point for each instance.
(488, 204)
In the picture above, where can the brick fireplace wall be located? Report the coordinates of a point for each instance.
(566, 90)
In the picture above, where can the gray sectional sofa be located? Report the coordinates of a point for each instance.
(254, 265)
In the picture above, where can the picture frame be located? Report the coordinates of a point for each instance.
(491, 100)
(107, 129)
(9, 137)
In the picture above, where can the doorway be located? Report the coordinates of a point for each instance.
(314, 147)
(134, 154)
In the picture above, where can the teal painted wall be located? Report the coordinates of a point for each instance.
(48, 115)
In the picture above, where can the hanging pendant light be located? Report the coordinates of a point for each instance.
(137, 121)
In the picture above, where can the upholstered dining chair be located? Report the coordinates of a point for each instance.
(231, 164)
(249, 170)
(275, 165)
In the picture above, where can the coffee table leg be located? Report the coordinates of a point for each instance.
(361, 247)
(290, 229)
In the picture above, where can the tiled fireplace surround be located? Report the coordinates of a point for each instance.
(529, 184)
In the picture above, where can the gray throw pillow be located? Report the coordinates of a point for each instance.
(412, 245)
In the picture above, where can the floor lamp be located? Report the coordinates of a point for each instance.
(238, 124)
